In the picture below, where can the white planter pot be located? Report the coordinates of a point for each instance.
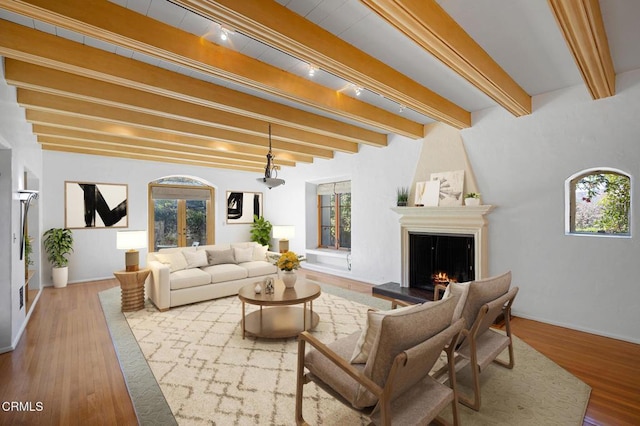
(472, 201)
(60, 276)
(289, 278)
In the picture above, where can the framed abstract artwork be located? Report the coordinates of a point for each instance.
(95, 205)
(241, 206)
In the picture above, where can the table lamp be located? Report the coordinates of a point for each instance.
(283, 233)
(130, 241)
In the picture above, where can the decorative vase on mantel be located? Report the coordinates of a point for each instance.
(289, 278)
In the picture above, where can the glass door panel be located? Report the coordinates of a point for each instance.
(165, 224)
(196, 222)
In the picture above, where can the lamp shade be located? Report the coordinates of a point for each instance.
(284, 232)
(131, 240)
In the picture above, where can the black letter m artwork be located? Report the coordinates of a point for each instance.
(94, 202)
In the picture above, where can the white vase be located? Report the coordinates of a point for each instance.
(289, 278)
(60, 276)
(472, 201)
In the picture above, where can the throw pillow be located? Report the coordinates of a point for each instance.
(243, 254)
(176, 260)
(260, 252)
(370, 332)
(461, 291)
(196, 259)
(219, 257)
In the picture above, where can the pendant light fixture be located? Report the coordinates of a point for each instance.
(270, 178)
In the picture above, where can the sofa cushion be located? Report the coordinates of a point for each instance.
(243, 254)
(225, 272)
(257, 268)
(370, 333)
(260, 252)
(461, 291)
(188, 278)
(175, 260)
(219, 257)
(196, 259)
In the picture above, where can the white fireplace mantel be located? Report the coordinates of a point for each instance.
(465, 220)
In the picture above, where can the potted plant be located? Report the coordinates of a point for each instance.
(403, 196)
(472, 199)
(58, 243)
(288, 262)
(261, 230)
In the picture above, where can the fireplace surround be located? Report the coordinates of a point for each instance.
(466, 224)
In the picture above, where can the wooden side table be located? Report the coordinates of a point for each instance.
(132, 286)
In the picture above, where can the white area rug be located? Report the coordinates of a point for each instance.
(210, 375)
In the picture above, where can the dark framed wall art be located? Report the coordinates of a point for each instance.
(241, 206)
(95, 205)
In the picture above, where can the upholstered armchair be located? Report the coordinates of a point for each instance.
(383, 371)
(480, 303)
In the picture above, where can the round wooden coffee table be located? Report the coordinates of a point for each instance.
(280, 319)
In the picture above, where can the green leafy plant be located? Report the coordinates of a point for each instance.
(58, 243)
(472, 195)
(261, 230)
(403, 195)
(28, 251)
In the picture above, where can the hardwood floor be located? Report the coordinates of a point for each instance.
(66, 361)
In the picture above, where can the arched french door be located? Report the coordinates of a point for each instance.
(181, 212)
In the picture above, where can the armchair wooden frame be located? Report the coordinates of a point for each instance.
(479, 345)
(405, 364)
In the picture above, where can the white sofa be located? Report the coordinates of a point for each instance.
(184, 275)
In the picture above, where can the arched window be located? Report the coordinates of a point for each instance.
(181, 212)
(598, 203)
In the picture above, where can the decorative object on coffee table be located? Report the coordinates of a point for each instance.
(132, 287)
(277, 317)
(288, 263)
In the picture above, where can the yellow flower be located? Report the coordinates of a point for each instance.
(288, 261)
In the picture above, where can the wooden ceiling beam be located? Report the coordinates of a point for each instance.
(309, 42)
(47, 80)
(44, 123)
(40, 48)
(73, 107)
(126, 143)
(125, 148)
(581, 24)
(426, 23)
(147, 157)
(114, 24)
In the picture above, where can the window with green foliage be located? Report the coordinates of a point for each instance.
(599, 203)
(334, 215)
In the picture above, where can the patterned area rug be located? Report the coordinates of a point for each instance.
(210, 375)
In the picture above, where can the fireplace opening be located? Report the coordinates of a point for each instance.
(440, 259)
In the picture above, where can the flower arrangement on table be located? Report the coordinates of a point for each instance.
(289, 261)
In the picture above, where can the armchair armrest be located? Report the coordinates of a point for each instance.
(338, 361)
(436, 291)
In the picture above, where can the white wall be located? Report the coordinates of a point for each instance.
(95, 255)
(19, 152)
(375, 175)
(521, 164)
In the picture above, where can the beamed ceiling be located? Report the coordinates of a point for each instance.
(153, 80)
